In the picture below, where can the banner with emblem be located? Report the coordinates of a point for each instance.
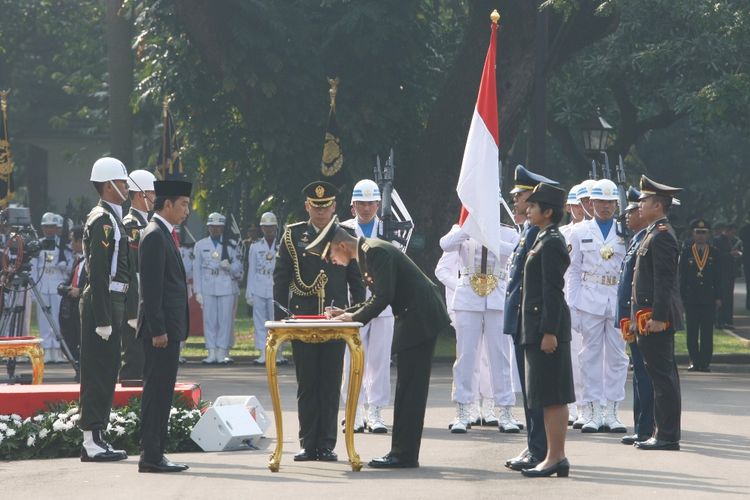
(6, 157)
(169, 166)
(333, 158)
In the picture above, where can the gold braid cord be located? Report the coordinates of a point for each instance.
(299, 287)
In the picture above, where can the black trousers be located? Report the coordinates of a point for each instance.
(725, 314)
(318, 368)
(100, 363)
(699, 326)
(413, 368)
(132, 355)
(658, 356)
(159, 377)
(536, 436)
(70, 325)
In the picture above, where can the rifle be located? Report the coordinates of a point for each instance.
(65, 236)
(503, 203)
(396, 222)
(622, 188)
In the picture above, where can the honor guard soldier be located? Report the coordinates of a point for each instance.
(584, 196)
(596, 254)
(377, 335)
(577, 215)
(141, 190)
(305, 284)
(643, 389)
(525, 182)
(261, 259)
(50, 268)
(700, 289)
(106, 251)
(478, 305)
(217, 269)
(657, 311)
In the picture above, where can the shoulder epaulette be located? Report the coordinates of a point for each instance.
(662, 227)
(95, 213)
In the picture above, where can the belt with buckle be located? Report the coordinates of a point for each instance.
(116, 286)
(600, 279)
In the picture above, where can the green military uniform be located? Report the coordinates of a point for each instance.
(132, 348)
(306, 284)
(420, 315)
(102, 304)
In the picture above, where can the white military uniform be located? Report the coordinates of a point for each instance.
(477, 317)
(595, 262)
(49, 271)
(261, 260)
(217, 283)
(377, 337)
(576, 341)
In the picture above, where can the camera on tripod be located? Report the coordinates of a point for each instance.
(23, 241)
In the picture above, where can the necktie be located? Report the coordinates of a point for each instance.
(175, 238)
(76, 274)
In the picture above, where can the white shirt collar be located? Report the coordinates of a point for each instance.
(170, 227)
(116, 208)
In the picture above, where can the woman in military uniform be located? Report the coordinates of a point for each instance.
(545, 327)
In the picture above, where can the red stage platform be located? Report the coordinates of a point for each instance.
(28, 400)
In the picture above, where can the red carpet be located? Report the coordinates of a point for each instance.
(28, 400)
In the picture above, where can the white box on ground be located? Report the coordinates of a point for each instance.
(253, 406)
(225, 428)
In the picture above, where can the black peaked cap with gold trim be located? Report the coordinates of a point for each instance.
(700, 223)
(526, 180)
(651, 188)
(320, 194)
(322, 242)
(173, 188)
(633, 195)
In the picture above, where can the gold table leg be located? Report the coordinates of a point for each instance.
(36, 355)
(272, 345)
(356, 369)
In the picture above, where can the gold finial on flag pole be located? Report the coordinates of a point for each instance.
(334, 83)
(495, 16)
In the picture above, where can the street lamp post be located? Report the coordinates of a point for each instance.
(596, 134)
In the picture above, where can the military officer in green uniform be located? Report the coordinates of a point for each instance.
(305, 284)
(142, 195)
(420, 315)
(105, 247)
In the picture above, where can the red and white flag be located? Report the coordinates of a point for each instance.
(479, 183)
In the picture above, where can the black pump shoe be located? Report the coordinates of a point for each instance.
(561, 468)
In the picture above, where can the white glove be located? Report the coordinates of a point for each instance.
(225, 264)
(62, 265)
(249, 300)
(199, 298)
(133, 323)
(104, 331)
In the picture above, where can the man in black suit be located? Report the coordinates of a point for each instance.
(420, 315)
(70, 290)
(163, 319)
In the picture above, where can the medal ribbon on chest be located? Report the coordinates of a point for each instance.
(700, 260)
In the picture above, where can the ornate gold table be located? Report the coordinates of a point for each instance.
(13, 347)
(314, 332)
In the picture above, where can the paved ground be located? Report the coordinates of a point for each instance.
(714, 460)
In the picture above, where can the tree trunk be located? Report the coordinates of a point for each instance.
(118, 30)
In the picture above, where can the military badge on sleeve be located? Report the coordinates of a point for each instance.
(107, 231)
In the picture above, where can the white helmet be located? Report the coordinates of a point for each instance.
(141, 180)
(108, 169)
(60, 220)
(216, 219)
(573, 195)
(268, 219)
(585, 188)
(605, 189)
(49, 219)
(365, 190)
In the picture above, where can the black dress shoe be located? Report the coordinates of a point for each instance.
(634, 438)
(304, 455)
(523, 454)
(163, 465)
(108, 455)
(392, 462)
(528, 462)
(327, 455)
(658, 444)
(561, 468)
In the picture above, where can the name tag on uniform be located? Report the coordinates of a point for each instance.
(588, 240)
